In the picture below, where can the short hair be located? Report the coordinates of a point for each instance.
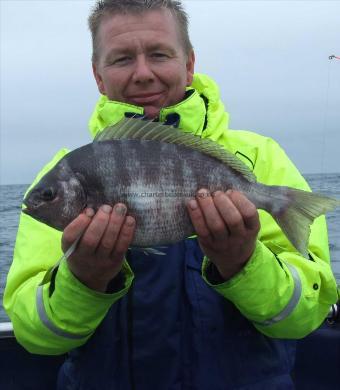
(116, 7)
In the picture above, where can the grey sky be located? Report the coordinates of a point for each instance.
(270, 59)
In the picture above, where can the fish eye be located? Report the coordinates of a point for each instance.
(48, 193)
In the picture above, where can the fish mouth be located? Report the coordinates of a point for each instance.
(29, 210)
(26, 210)
(34, 213)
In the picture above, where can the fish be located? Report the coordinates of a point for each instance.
(155, 169)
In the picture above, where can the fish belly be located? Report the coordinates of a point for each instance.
(156, 180)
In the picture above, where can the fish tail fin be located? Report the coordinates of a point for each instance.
(295, 210)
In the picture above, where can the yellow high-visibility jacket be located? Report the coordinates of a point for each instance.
(284, 294)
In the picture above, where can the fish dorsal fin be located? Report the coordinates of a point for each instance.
(132, 128)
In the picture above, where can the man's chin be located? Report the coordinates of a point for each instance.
(151, 112)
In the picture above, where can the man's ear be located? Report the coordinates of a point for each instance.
(98, 78)
(190, 67)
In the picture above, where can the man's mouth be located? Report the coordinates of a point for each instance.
(144, 99)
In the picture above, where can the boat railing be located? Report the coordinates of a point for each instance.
(6, 330)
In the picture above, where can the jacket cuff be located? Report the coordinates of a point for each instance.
(71, 296)
(260, 289)
(240, 280)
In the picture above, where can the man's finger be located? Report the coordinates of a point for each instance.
(198, 220)
(76, 228)
(93, 234)
(124, 239)
(212, 217)
(247, 209)
(230, 213)
(112, 231)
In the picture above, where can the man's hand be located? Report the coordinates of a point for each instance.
(99, 255)
(227, 225)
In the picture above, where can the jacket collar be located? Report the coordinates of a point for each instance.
(201, 112)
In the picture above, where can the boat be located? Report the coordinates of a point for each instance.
(317, 363)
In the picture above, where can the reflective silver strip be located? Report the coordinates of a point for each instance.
(291, 304)
(46, 321)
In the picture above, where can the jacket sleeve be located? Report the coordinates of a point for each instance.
(44, 322)
(284, 294)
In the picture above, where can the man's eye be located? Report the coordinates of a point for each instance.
(120, 60)
(159, 55)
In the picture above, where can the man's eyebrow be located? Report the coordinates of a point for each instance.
(161, 46)
(118, 51)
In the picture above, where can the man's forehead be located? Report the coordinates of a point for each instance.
(160, 20)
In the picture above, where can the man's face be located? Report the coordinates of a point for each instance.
(142, 61)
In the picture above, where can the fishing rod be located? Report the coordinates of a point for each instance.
(332, 58)
(333, 316)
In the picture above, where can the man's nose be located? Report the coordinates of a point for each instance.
(142, 72)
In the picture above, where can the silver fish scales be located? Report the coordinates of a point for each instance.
(155, 169)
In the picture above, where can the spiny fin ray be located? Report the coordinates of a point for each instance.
(133, 128)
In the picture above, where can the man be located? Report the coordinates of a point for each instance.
(213, 312)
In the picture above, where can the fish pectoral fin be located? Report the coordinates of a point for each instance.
(150, 250)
